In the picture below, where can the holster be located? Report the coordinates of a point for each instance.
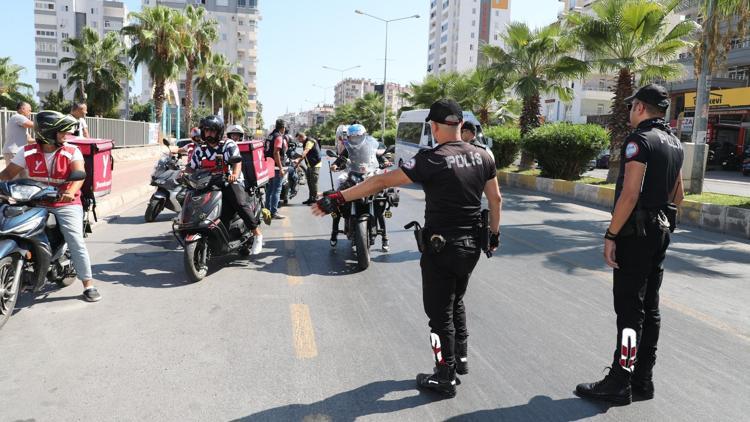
(418, 234)
(484, 232)
(670, 211)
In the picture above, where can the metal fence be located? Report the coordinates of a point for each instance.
(125, 133)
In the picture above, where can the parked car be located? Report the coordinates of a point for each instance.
(602, 161)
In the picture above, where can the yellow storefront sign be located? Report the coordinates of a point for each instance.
(500, 4)
(735, 97)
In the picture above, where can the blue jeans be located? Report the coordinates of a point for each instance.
(273, 193)
(70, 221)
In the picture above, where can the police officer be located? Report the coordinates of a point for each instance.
(635, 245)
(469, 134)
(453, 175)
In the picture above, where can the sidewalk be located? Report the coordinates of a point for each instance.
(716, 181)
(130, 184)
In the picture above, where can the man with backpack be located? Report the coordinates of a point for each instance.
(311, 155)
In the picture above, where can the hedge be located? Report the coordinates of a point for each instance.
(564, 149)
(506, 143)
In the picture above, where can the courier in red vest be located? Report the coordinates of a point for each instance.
(51, 161)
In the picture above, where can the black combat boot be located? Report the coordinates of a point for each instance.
(614, 388)
(462, 361)
(386, 247)
(442, 381)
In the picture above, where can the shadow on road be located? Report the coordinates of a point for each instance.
(313, 257)
(349, 405)
(539, 408)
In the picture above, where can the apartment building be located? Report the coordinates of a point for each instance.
(459, 27)
(238, 35)
(57, 20)
(350, 89)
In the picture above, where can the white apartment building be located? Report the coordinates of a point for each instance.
(57, 20)
(350, 89)
(459, 27)
(238, 35)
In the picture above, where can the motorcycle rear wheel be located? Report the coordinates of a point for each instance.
(155, 207)
(196, 260)
(362, 243)
(9, 289)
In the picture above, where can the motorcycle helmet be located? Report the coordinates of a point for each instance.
(356, 134)
(214, 123)
(195, 133)
(48, 123)
(235, 129)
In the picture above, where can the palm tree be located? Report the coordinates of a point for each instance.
(538, 62)
(216, 82)
(735, 15)
(203, 32)
(98, 70)
(633, 39)
(158, 41)
(481, 92)
(433, 88)
(10, 75)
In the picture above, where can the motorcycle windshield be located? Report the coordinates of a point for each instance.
(363, 155)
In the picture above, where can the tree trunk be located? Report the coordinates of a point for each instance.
(159, 102)
(529, 122)
(189, 95)
(484, 117)
(619, 123)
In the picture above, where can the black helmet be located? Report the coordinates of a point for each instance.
(213, 123)
(280, 123)
(48, 123)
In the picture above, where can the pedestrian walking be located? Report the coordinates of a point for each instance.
(313, 158)
(275, 148)
(453, 176)
(635, 244)
(16, 135)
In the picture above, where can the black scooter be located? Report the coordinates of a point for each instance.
(294, 177)
(205, 228)
(170, 193)
(32, 248)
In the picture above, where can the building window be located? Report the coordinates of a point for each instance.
(223, 3)
(472, 35)
(65, 76)
(471, 47)
(54, 75)
(43, 33)
(474, 11)
(43, 5)
(473, 23)
(223, 36)
(65, 35)
(65, 49)
(66, 8)
(93, 11)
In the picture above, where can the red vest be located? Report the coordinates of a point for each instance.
(36, 165)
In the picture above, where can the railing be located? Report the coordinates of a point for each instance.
(125, 133)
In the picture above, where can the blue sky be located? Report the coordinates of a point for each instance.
(297, 37)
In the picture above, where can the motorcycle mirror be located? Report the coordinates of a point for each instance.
(391, 149)
(331, 154)
(234, 160)
(77, 176)
(166, 142)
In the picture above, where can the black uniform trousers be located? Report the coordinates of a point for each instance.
(636, 298)
(445, 276)
(239, 201)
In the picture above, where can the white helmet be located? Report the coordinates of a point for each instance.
(356, 130)
(235, 129)
(341, 131)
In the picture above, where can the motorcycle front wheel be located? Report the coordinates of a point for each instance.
(362, 243)
(155, 207)
(9, 288)
(196, 260)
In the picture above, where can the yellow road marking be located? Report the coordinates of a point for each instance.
(302, 330)
(288, 241)
(285, 223)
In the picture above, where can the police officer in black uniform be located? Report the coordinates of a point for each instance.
(453, 175)
(635, 245)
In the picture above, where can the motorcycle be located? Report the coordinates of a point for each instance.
(170, 193)
(364, 218)
(33, 250)
(746, 162)
(294, 177)
(205, 228)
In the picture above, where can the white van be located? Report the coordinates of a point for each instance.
(413, 133)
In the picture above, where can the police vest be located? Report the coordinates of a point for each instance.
(313, 156)
(36, 166)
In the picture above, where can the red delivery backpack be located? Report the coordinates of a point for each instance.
(98, 161)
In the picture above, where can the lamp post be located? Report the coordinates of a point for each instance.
(342, 71)
(385, 59)
(324, 88)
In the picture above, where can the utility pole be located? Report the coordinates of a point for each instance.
(703, 91)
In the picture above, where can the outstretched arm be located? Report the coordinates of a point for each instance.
(369, 187)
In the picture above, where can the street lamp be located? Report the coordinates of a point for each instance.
(385, 59)
(342, 75)
(324, 88)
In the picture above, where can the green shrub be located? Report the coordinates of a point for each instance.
(506, 142)
(390, 136)
(563, 149)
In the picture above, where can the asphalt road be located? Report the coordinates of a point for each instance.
(297, 334)
(716, 181)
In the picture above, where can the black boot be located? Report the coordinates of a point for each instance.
(442, 381)
(614, 388)
(386, 247)
(642, 382)
(462, 361)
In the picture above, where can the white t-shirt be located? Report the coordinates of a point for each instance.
(81, 126)
(20, 159)
(15, 134)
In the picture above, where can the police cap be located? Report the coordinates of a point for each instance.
(445, 111)
(653, 94)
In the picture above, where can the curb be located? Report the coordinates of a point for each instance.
(112, 205)
(716, 218)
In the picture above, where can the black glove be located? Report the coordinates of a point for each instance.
(494, 240)
(330, 203)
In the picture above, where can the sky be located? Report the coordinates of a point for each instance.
(296, 38)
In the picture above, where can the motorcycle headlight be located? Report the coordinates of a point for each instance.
(160, 181)
(23, 192)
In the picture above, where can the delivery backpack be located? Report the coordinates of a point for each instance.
(98, 162)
